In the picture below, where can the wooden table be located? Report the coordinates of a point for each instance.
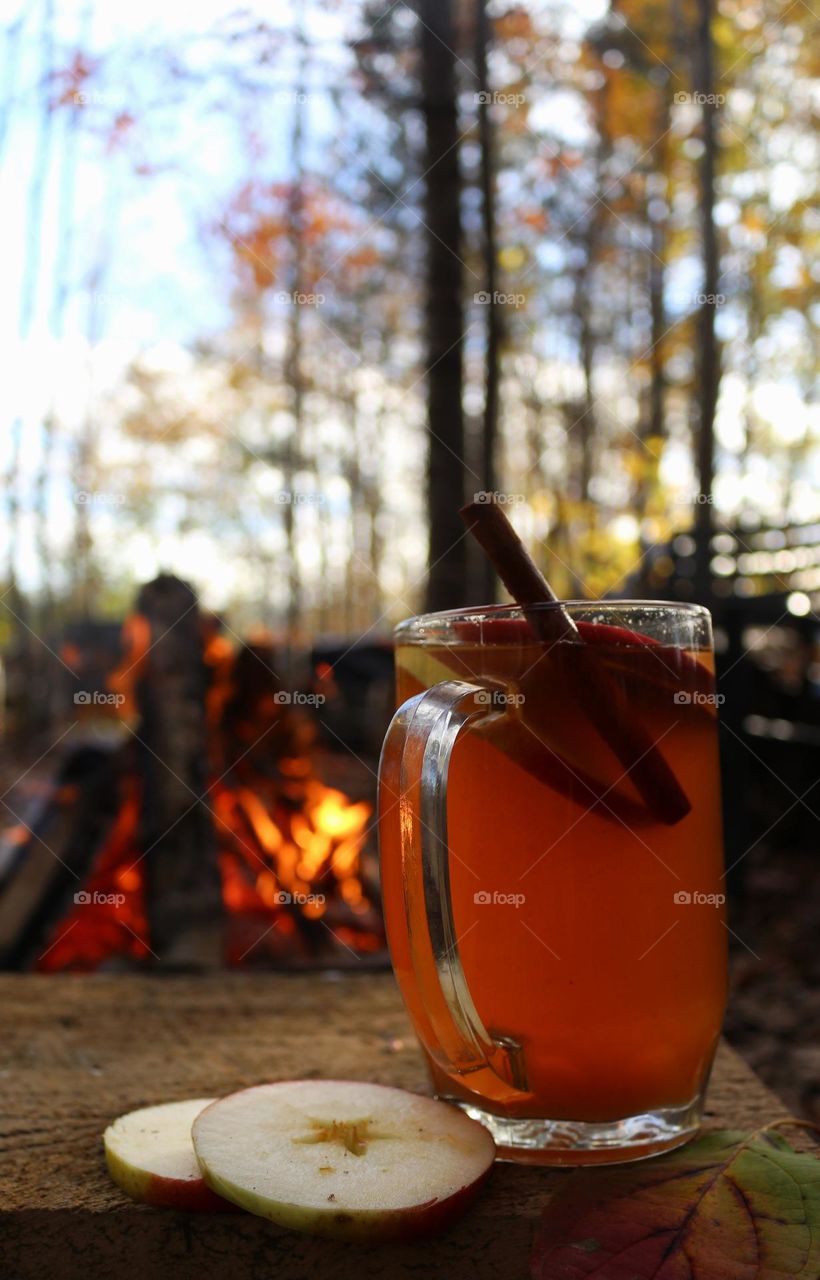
(77, 1051)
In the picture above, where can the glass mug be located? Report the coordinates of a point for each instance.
(560, 947)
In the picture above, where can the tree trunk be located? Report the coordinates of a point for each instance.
(487, 463)
(587, 424)
(447, 558)
(29, 288)
(84, 569)
(708, 355)
(653, 419)
(293, 362)
(63, 268)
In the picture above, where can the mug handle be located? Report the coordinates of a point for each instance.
(414, 768)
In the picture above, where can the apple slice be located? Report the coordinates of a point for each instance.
(150, 1155)
(343, 1159)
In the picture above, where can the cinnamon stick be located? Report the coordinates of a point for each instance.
(602, 701)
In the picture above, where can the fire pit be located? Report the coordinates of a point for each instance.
(212, 833)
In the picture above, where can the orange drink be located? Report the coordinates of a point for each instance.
(560, 946)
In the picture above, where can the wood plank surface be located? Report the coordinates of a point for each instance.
(78, 1051)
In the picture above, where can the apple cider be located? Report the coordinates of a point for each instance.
(589, 929)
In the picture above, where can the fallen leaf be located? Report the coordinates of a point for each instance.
(729, 1206)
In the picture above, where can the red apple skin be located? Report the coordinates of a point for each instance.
(192, 1194)
(196, 1197)
(182, 1188)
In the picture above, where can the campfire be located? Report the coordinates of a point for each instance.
(225, 843)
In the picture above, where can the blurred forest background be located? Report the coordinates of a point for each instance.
(286, 284)
(222, 343)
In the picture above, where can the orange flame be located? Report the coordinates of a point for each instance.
(108, 916)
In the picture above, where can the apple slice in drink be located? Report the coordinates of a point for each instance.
(150, 1156)
(343, 1159)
